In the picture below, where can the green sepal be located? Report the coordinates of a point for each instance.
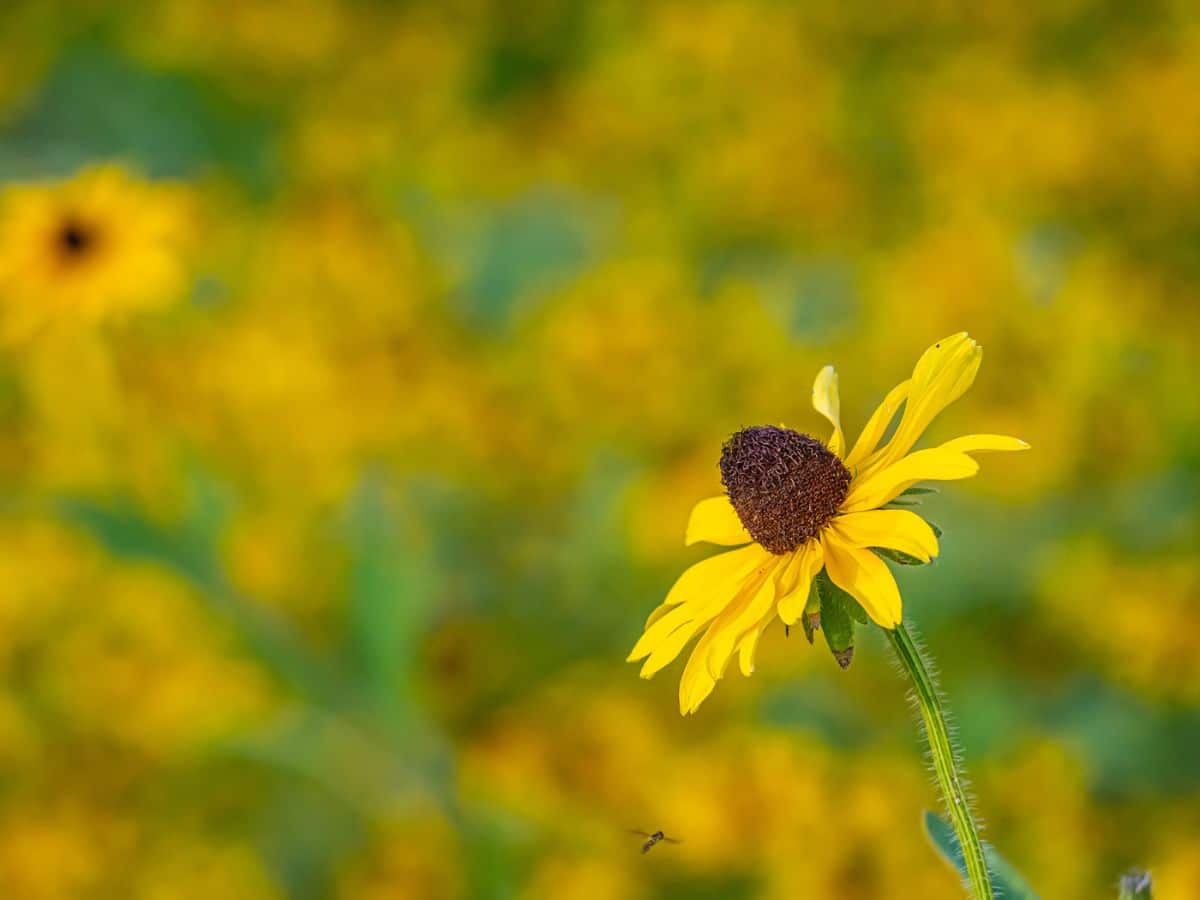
(852, 606)
(836, 622)
(913, 493)
(897, 557)
(810, 619)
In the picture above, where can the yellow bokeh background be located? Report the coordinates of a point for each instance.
(361, 362)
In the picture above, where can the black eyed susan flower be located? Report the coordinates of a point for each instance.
(79, 250)
(794, 506)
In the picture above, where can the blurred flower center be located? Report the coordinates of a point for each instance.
(74, 240)
(784, 485)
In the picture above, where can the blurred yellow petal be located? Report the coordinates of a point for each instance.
(715, 521)
(868, 440)
(896, 529)
(101, 244)
(980, 443)
(865, 577)
(935, 464)
(793, 594)
(826, 401)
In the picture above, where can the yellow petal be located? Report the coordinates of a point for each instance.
(714, 520)
(805, 567)
(865, 577)
(896, 529)
(732, 625)
(706, 666)
(696, 683)
(661, 650)
(827, 402)
(748, 646)
(696, 598)
(695, 686)
(659, 611)
(941, 376)
(868, 440)
(934, 464)
(698, 579)
(979, 443)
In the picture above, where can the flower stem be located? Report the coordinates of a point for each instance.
(945, 759)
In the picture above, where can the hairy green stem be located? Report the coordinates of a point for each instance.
(945, 759)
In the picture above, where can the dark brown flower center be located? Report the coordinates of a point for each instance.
(784, 485)
(74, 239)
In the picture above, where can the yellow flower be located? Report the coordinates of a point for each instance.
(98, 244)
(798, 506)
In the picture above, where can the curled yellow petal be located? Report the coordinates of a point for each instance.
(826, 401)
(895, 529)
(865, 577)
(716, 522)
(941, 376)
(934, 464)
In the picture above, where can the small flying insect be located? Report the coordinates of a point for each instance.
(652, 839)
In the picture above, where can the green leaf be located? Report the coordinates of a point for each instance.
(127, 532)
(1007, 882)
(391, 590)
(512, 257)
(302, 839)
(919, 490)
(97, 105)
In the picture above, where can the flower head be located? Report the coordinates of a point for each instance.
(795, 506)
(98, 244)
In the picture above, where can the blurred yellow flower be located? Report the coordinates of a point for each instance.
(99, 244)
(798, 506)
